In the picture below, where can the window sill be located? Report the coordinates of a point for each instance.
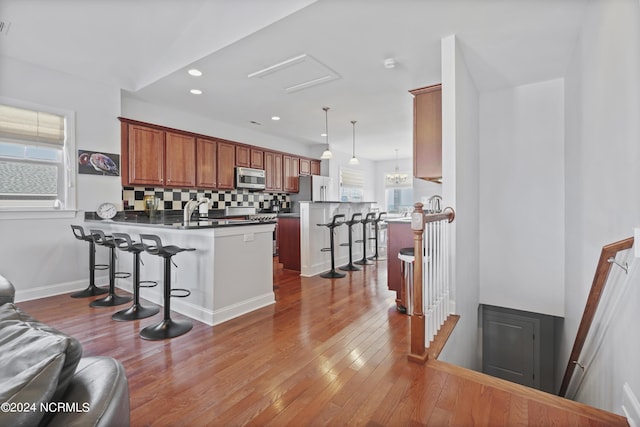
(36, 214)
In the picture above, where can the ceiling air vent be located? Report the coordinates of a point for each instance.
(297, 73)
(4, 27)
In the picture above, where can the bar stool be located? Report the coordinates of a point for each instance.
(111, 299)
(332, 274)
(136, 311)
(407, 259)
(92, 289)
(366, 221)
(167, 328)
(376, 223)
(356, 218)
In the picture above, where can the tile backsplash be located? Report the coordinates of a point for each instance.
(175, 199)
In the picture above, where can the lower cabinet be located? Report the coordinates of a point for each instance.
(289, 242)
(518, 346)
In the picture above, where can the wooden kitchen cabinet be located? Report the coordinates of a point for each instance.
(427, 133)
(243, 158)
(142, 155)
(226, 162)
(315, 167)
(206, 163)
(289, 242)
(273, 171)
(180, 160)
(257, 159)
(305, 167)
(291, 173)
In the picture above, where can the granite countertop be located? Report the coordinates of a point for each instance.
(169, 219)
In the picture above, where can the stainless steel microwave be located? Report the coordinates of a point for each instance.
(253, 179)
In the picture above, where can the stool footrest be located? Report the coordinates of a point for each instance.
(359, 241)
(122, 274)
(101, 267)
(152, 285)
(180, 293)
(325, 250)
(344, 244)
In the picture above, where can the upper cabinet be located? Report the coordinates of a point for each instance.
(315, 167)
(427, 133)
(226, 162)
(180, 160)
(305, 167)
(243, 158)
(257, 159)
(157, 156)
(142, 155)
(291, 173)
(273, 171)
(206, 163)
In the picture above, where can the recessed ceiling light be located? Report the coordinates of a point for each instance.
(196, 91)
(323, 134)
(195, 72)
(276, 118)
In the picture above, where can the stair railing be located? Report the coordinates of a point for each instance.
(607, 258)
(431, 237)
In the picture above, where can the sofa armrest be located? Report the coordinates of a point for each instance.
(99, 389)
(7, 291)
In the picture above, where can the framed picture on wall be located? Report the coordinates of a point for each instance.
(96, 163)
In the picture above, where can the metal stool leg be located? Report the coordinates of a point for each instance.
(111, 299)
(168, 328)
(332, 274)
(136, 311)
(92, 290)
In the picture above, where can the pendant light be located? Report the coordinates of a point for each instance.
(354, 160)
(327, 152)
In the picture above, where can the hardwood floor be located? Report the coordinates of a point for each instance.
(329, 352)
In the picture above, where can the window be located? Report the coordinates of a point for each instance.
(351, 185)
(398, 192)
(36, 146)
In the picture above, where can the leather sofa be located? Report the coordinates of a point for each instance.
(44, 380)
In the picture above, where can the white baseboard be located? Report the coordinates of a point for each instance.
(57, 289)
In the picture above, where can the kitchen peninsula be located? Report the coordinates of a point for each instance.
(229, 274)
(314, 237)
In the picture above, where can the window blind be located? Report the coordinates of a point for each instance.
(352, 178)
(29, 125)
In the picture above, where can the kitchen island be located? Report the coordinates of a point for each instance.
(229, 274)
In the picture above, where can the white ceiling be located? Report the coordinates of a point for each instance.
(146, 47)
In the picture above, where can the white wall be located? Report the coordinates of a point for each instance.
(522, 198)
(460, 150)
(135, 109)
(41, 256)
(602, 154)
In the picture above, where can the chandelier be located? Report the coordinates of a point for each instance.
(396, 178)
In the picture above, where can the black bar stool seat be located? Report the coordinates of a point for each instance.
(376, 230)
(365, 222)
(92, 290)
(337, 221)
(167, 328)
(136, 311)
(111, 299)
(356, 218)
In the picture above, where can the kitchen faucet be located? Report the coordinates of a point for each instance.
(435, 203)
(191, 206)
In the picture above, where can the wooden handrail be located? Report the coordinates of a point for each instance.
(597, 288)
(418, 352)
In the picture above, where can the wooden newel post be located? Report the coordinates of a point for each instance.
(418, 350)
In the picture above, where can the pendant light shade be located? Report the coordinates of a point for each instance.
(354, 160)
(327, 152)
